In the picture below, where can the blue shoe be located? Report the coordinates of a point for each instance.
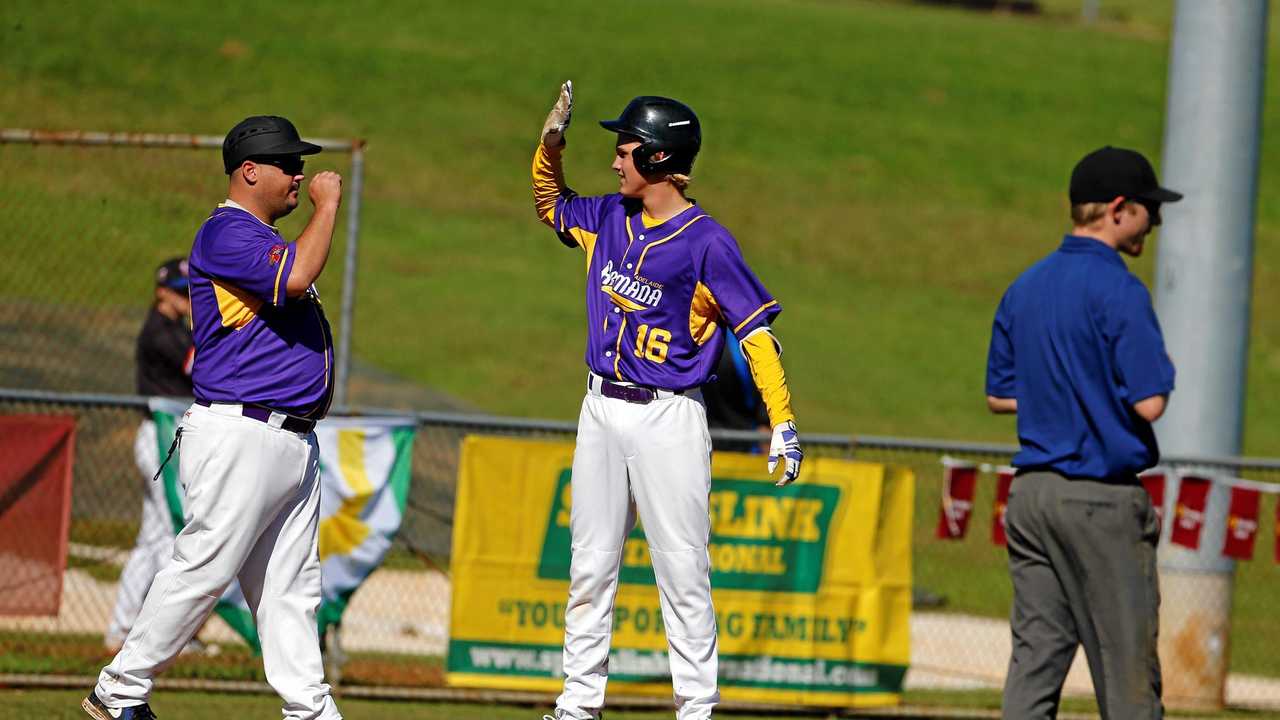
(98, 711)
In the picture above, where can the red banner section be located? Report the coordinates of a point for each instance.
(36, 454)
(1242, 523)
(1277, 532)
(1154, 483)
(958, 486)
(1188, 515)
(1004, 480)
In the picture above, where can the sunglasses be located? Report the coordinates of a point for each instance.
(287, 164)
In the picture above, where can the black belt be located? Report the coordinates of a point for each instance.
(263, 414)
(638, 394)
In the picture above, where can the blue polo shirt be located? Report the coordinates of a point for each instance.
(1076, 342)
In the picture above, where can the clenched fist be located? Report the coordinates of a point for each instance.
(325, 188)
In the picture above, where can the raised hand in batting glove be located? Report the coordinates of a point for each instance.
(786, 445)
(558, 118)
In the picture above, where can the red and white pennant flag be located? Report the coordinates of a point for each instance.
(1154, 482)
(1188, 514)
(1004, 481)
(958, 482)
(1242, 523)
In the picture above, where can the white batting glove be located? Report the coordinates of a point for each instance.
(558, 118)
(786, 444)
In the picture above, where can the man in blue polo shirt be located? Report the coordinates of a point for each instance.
(249, 462)
(1076, 351)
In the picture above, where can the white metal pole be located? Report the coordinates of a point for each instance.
(1204, 275)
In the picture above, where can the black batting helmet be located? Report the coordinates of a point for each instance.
(669, 134)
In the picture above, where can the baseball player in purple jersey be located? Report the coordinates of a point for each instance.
(249, 461)
(662, 278)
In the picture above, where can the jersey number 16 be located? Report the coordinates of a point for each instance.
(656, 349)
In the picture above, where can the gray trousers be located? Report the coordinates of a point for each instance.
(1082, 556)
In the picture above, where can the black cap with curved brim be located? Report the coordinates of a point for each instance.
(1111, 172)
(263, 136)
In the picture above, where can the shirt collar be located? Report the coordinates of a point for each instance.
(1090, 246)
(233, 204)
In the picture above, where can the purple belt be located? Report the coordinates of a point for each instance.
(263, 414)
(637, 394)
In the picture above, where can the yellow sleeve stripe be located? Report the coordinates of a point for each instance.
(275, 292)
(753, 315)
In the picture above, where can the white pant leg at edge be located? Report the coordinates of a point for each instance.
(602, 515)
(239, 475)
(281, 584)
(154, 544)
(669, 462)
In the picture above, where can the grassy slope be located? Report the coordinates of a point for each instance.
(888, 168)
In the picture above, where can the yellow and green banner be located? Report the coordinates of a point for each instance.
(364, 479)
(811, 582)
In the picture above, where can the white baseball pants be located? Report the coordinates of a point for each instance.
(655, 458)
(253, 502)
(154, 544)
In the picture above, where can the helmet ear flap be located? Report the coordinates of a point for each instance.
(650, 156)
(643, 156)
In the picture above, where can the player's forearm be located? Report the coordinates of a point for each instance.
(765, 360)
(548, 182)
(312, 249)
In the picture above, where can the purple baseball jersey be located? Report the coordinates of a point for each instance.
(656, 296)
(253, 343)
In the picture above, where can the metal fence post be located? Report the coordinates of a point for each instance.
(343, 359)
(1089, 10)
(1203, 289)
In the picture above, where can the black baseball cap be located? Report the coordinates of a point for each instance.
(172, 274)
(263, 135)
(1111, 172)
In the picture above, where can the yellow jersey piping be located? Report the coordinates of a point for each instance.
(617, 349)
(275, 293)
(753, 315)
(659, 242)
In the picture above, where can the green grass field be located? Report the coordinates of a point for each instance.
(65, 705)
(886, 189)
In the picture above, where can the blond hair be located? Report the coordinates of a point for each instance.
(680, 181)
(1088, 213)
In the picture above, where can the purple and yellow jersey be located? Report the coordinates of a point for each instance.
(656, 295)
(254, 344)
(658, 291)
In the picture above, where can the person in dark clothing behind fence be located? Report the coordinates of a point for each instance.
(164, 355)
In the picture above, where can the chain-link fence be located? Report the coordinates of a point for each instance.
(78, 284)
(396, 627)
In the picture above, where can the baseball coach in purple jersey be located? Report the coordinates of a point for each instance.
(249, 462)
(662, 278)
